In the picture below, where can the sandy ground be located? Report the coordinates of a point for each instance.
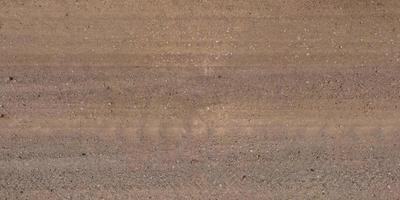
(200, 99)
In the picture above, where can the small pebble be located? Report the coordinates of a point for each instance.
(9, 79)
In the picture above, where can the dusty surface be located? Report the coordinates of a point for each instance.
(201, 99)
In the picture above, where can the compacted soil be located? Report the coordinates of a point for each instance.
(199, 99)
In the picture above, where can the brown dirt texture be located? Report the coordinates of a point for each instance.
(199, 99)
